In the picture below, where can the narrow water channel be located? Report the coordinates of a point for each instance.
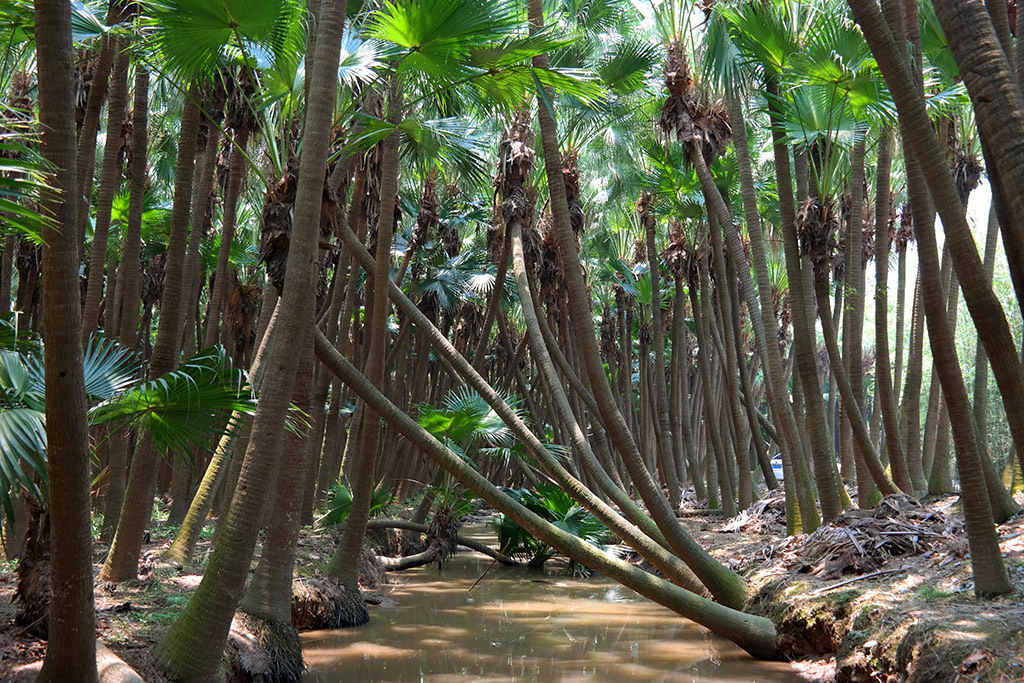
(521, 625)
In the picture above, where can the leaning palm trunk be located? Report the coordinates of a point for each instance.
(191, 649)
(926, 164)
(755, 634)
(726, 586)
(641, 538)
(110, 180)
(980, 402)
(123, 561)
(344, 565)
(999, 111)
(71, 651)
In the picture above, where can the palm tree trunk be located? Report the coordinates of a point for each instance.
(71, 648)
(6, 273)
(654, 549)
(123, 560)
(853, 311)
(883, 378)
(269, 595)
(726, 586)
(999, 112)
(236, 174)
(663, 431)
(85, 159)
(344, 565)
(129, 282)
(191, 649)
(755, 634)
(821, 451)
(110, 181)
(763, 317)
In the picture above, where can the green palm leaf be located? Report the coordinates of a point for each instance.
(22, 441)
(184, 407)
(194, 34)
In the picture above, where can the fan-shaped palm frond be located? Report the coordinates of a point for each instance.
(448, 278)
(339, 504)
(183, 407)
(195, 35)
(22, 175)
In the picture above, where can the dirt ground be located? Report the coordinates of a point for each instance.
(880, 596)
(875, 596)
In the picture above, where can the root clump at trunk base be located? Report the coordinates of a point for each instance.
(261, 651)
(323, 603)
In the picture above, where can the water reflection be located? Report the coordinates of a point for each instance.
(518, 625)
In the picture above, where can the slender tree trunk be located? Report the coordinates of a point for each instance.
(128, 283)
(344, 565)
(110, 181)
(663, 432)
(236, 174)
(71, 648)
(191, 649)
(726, 586)
(883, 378)
(999, 111)
(821, 451)
(981, 359)
(6, 273)
(123, 560)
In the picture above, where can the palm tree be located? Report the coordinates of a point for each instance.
(191, 649)
(71, 653)
(723, 584)
(927, 164)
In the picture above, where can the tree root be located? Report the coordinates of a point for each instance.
(261, 651)
(323, 603)
(422, 528)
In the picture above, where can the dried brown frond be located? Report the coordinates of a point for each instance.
(687, 113)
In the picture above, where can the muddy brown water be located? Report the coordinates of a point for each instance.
(521, 625)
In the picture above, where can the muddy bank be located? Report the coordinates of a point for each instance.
(876, 597)
(881, 595)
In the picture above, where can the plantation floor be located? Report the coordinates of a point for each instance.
(857, 611)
